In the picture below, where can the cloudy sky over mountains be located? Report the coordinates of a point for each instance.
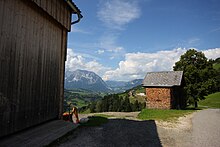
(124, 39)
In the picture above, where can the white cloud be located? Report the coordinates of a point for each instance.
(109, 44)
(117, 13)
(76, 61)
(100, 51)
(108, 41)
(136, 65)
(193, 41)
(116, 49)
(212, 53)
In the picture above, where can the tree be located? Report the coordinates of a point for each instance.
(116, 103)
(98, 107)
(127, 105)
(105, 104)
(199, 75)
(136, 106)
(110, 103)
(92, 107)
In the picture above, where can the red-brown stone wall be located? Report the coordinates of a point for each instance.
(158, 98)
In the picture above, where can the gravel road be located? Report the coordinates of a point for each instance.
(201, 129)
(206, 128)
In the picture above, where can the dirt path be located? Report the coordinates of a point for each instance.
(176, 134)
(129, 131)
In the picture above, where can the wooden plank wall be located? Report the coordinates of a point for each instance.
(51, 6)
(32, 48)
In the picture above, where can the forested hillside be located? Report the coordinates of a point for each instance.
(129, 101)
(80, 97)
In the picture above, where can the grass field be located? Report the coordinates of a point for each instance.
(211, 101)
(166, 115)
(216, 66)
(95, 121)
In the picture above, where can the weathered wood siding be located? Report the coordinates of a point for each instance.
(32, 52)
(57, 9)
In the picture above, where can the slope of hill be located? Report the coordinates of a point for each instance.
(216, 63)
(135, 93)
(130, 100)
(80, 97)
(211, 101)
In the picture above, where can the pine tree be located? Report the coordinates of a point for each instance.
(127, 105)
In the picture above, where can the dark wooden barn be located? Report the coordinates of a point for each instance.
(33, 42)
(164, 90)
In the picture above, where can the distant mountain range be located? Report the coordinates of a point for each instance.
(83, 79)
(121, 86)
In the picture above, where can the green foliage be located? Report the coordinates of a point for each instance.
(79, 98)
(126, 105)
(114, 103)
(211, 101)
(167, 115)
(199, 75)
(139, 89)
(216, 66)
(95, 121)
(133, 94)
(217, 61)
(127, 101)
(92, 107)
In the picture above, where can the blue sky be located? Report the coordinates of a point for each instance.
(125, 39)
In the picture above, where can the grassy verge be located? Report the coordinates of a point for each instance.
(85, 112)
(166, 115)
(211, 101)
(95, 121)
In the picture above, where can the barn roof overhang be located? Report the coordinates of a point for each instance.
(75, 10)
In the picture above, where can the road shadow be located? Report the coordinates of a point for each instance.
(116, 132)
(131, 133)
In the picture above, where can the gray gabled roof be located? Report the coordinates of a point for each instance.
(163, 79)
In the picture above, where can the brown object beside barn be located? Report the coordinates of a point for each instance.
(164, 90)
(33, 43)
